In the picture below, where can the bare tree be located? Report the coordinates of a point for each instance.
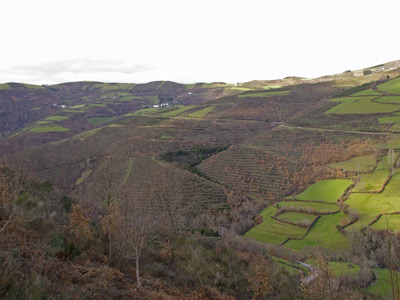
(138, 224)
(172, 206)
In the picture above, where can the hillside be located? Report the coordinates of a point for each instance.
(289, 166)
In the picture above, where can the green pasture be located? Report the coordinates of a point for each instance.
(388, 120)
(393, 144)
(324, 233)
(189, 86)
(264, 94)
(369, 92)
(383, 285)
(383, 163)
(361, 105)
(373, 204)
(292, 268)
(339, 268)
(296, 217)
(33, 86)
(241, 88)
(202, 112)
(364, 220)
(150, 110)
(325, 190)
(371, 182)
(4, 86)
(361, 164)
(73, 111)
(213, 85)
(77, 106)
(395, 127)
(180, 109)
(271, 226)
(265, 237)
(98, 120)
(391, 222)
(389, 99)
(312, 207)
(43, 122)
(49, 128)
(57, 118)
(392, 86)
(36, 108)
(267, 87)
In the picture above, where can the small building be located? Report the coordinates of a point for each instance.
(156, 105)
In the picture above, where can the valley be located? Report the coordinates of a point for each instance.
(290, 166)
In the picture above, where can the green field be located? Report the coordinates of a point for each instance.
(202, 112)
(264, 95)
(393, 144)
(372, 182)
(361, 105)
(324, 233)
(98, 120)
(43, 122)
(369, 92)
(373, 204)
(339, 268)
(277, 228)
(391, 222)
(395, 127)
(383, 163)
(292, 268)
(78, 106)
(150, 110)
(359, 164)
(4, 86)
(57, 118)
(392, 86)
(325, 190)
(49, 128)
(73, 111)
(180, 109)
(213, 85)
(32, 86)
(240, 88)
(312, 207)
(296, 217)
(389, 99)
(383, 286)
(388, 120)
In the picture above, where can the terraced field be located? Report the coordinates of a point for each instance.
(248, 170)
(325, 190)
(372, 182)
(359, 164)
(383, 102)
(373, 197)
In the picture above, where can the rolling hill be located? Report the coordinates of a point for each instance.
(298, 163)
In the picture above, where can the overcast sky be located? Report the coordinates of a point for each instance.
(47, 41)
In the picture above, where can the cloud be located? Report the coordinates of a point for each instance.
(65, 70)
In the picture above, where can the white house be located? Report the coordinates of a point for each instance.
(156, 105)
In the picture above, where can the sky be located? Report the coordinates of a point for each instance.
(47, 41)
